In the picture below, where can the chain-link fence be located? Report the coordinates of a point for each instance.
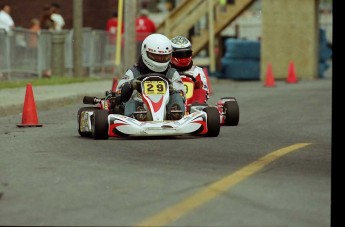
(24, 53)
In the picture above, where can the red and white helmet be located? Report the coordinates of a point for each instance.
(156, 52)
(182, 51)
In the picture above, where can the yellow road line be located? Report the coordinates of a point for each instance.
(182, 208)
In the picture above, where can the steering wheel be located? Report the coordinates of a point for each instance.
(162, 76)
(154, 74)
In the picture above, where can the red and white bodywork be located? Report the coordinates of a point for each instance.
(155, 96)
(227, 106)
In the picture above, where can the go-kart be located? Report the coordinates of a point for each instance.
(102, 122)
(195, 98)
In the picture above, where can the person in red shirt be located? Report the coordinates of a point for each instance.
(144, 27)
(111, 27)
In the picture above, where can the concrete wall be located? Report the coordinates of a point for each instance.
(290, 32)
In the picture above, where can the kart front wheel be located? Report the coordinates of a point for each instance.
(80, 115)
(213, 121)
(100, 125)
(232, 113)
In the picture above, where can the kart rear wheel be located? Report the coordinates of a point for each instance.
(100, 125)
(84, 109)
(232, 113)
(213, 121)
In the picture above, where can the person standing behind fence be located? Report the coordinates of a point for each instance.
(144, 27)
(59, 22)
(6, 21)
(35, 27)
(111, 27)
(46, 22)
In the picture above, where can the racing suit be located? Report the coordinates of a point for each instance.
(132, 98)
(200, 96)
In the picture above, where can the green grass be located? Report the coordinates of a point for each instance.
(46, 81)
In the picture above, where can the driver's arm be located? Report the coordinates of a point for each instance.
(199, 74)
(124, 87)
(178, 84)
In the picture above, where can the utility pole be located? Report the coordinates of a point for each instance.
(211, 36)
(130, 51)
(78, 38)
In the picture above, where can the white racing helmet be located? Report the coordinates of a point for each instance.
(156, 52)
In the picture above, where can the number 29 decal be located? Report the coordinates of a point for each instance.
(154, 87)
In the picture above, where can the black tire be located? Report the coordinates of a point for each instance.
(100, 125)
(232, 113)
(89, 108)
(213, 121)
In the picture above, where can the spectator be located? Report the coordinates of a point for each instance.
(111, 27)
(46, 21)
(35, 25)
(6, 21)
(144, 27)
(59, 22)
(34, 28)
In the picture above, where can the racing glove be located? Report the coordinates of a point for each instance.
(136, 84)
(126, 92)
(109, 94)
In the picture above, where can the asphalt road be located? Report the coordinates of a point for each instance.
(273, 169)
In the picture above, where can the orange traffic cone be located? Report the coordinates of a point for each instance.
(29, 115)
(291, 78)
(208, 80)
(115, 82)
(269, 77)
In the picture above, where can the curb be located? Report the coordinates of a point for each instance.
(44, 105)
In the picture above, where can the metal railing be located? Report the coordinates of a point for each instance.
(24, 53)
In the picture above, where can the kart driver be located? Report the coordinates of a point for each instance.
(182, 61)
(155, 57)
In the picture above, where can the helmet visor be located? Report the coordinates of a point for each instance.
(181, 62)
(182, 54)
(161, 58)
